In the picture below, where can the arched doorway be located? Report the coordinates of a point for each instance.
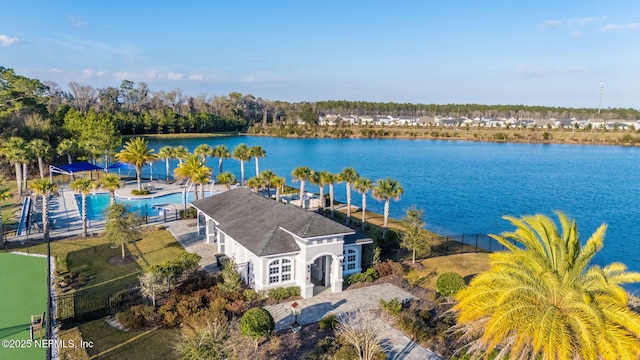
(321, 270)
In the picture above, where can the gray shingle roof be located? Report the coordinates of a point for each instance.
(257, 222)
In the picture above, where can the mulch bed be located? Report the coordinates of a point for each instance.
(118, 260)
(289, 345)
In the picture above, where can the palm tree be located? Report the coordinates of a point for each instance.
(348, 176)
(385, 190)
(44, 188)
(331, 181)
(15, 150)
(111, 183)
(226, 178)
(201, 179)
(255, 183)
(277, 183)
(67, 147)
(28, 158)
(257, 152)
(180, 152)
(83, 186)
(41, 149)
(363, 186)
(192, 169)
(137, 153)
(314, 179)
(302, 174)
(324, 178)
(203, 150)
(241, 153)
(221, 152)
(541, 299)
(266, 176)
(166, 153)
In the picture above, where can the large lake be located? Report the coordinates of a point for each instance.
(466, 187)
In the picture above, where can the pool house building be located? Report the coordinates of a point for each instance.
(281, 245)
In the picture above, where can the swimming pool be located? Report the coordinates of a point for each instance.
(99, 202)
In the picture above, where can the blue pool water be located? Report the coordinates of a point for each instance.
(98, 203)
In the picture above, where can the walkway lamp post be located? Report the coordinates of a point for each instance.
(295, 309)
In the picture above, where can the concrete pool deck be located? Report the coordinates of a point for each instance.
(66, 221)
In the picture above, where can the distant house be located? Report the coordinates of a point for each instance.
(426, 121)
(329, 119)
(280, 245)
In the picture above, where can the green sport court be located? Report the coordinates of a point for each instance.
(23, 292)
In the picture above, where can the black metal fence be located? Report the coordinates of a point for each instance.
(93, 304)
(447, 245)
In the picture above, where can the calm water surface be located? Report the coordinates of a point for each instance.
(466, 187)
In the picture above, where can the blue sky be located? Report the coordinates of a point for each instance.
(550, 53)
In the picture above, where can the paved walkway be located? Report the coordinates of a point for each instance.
(185, 232)
(397, 345)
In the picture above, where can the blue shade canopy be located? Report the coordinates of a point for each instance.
(123, 166)
(78, 166)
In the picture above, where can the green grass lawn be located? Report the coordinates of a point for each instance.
(23, 292)
(110, 343)
(466, 265)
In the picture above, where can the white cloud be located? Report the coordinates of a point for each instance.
(552, 24)
(6, 40)
(541, 71)
(87, 73)
(614, 27)
(96, 48)
(76, 22)
(123, 75)
(175, 76)
(576, 34)
(56, 70)
(156, 75)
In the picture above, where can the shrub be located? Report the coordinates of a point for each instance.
(283, 293)
(231, 279)
(140, 192)
(123, 298)
(346, 352)
(169, 271)
(389, 268)
(205, 342)
(138, 316)
(190, 213)
(256, 323)
(414, 326)
(250, 295)
(328, 322)
(368, 276)
(393, 306)
(449, 284)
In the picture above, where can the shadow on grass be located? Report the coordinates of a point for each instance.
(11, 330)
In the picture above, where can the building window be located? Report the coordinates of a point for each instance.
(349, 262)
(280, 270)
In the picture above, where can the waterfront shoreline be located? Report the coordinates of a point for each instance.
(516, 136)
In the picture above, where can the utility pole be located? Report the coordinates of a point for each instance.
(601, 92)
